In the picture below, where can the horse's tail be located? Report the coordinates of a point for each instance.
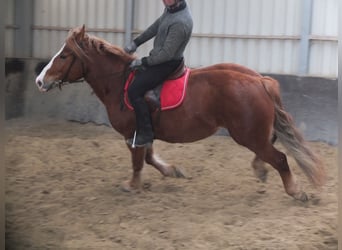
(292, 139)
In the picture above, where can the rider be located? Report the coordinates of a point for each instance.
(172, 31)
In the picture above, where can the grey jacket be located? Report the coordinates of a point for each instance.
(172, 32)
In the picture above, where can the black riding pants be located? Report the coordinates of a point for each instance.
(150, 78)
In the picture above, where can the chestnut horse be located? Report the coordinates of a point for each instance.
(226, 95)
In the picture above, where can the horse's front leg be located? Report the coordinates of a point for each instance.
(164, 168)
(138, 157)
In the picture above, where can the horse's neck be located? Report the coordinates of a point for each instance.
(107, 82)
(106, 78)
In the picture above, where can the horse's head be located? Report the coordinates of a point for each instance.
(67, 65)
(79, 53)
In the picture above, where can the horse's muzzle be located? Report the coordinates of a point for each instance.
(39, 83)
(43, 87)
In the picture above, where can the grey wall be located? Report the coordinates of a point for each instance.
(75, 102)
(311, 101)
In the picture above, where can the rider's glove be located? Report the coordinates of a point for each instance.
(131, 48)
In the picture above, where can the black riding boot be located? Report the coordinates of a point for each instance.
(144, 131)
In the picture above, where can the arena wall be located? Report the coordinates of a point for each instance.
(280, 37)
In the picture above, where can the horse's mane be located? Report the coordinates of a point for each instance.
(101, 46)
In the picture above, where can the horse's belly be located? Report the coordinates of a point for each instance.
(184, 130)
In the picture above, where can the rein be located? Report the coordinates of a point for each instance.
(64, 80)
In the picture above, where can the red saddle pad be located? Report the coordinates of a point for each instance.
(172, 93)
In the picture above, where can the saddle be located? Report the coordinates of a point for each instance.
(167, 95)
(153, 96)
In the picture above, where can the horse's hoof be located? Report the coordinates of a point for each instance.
(177, 173)
(302, 196)
(127, 186)
(263, 178)
(261, 175)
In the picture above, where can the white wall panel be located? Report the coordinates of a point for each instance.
(324, 51)
(53, 19)
(323, 58)
(219, 26)
(146, 12)
(325, 17)
(261, 34)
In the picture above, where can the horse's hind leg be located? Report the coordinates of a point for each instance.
(259, 167)
(164, 168)
(279, 161)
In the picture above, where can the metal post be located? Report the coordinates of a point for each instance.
(304, 48)
(129, 20)
(23, 35)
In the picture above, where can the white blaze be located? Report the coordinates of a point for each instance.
(41, 76)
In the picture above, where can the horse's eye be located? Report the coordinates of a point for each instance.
(62, 57)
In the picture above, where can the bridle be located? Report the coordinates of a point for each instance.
(70, 66)
(64, 81)
(125, 72)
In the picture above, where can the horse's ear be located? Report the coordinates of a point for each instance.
(80, 34)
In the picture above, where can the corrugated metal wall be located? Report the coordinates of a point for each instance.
(262, 34)
(53, 19)
(258, 34)
(324, 43)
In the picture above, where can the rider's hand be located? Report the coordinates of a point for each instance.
(131, 48)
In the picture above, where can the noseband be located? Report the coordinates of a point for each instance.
(64, 80)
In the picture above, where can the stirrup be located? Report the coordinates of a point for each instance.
(132, 142)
